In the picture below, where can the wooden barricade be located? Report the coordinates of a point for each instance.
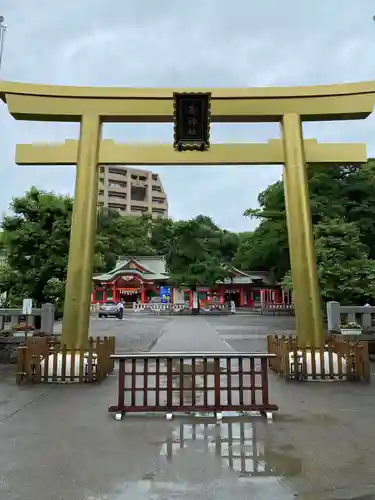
(46, 360)
(339, 359)
(193, 382)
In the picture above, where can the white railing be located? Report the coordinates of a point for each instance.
(274, 307)
(157, 307)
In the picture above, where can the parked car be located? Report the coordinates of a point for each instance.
(108, 309)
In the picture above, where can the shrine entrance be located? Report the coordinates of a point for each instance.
(129, 296)
(192, 113)
(128, 290)
(235, 296)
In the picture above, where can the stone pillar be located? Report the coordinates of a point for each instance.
(195, 302)
(30, 320)
(2, 322)
(333, 316)
(262, 298)
(97, 309)
(14, 320)
(367, 319)
(47, 318)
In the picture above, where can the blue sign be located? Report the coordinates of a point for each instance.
(166, 294)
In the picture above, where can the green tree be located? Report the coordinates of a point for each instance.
(2, 240)
(37, 243)
(118, 235)
(345, 272)
(359, 196)
(266, 248)
(10, 286)
(229, 245)
(196, 256)
(226, 240)
(346, 192)
(161, 235)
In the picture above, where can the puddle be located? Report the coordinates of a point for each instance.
(201, 459)
(237, 444)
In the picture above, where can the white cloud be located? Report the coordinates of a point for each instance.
(173, 43)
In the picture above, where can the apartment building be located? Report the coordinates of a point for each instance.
(132, 191)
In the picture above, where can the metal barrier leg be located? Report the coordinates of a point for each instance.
(120, 414)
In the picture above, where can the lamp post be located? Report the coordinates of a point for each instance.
(3, 29)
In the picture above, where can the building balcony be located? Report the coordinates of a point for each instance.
(139, 184)
(116, 177)
(159, 202)
(120, 191)
(140, 203)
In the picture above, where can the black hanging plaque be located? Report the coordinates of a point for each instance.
(192, 114)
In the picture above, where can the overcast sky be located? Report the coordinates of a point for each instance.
(174, 43)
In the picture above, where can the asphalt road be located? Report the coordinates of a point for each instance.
(58, 442)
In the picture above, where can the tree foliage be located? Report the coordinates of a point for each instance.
(345, 272)
(266, 248)
(118, 235)
(342, 200)
(198, 253)
(37, 242)
(36, 237)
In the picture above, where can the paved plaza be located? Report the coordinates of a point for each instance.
(59, 442)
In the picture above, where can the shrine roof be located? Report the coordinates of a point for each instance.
(154, 268)
(238, 272)
(147, 267)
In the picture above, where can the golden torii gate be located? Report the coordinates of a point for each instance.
(92, 106)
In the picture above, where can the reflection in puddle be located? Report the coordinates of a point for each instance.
(237, 444)
(201, 459)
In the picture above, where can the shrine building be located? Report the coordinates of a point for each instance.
(145, 279)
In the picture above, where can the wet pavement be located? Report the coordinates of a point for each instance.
(329, 425)
(59, 442)
(190, 334)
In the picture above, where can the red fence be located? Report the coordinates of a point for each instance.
(192, 382)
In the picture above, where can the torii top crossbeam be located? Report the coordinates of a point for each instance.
(259, 104)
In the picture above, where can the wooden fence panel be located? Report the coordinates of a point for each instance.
(339, 359)
(192, 382)
(43, 360)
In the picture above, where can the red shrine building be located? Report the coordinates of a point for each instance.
(143, 279)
